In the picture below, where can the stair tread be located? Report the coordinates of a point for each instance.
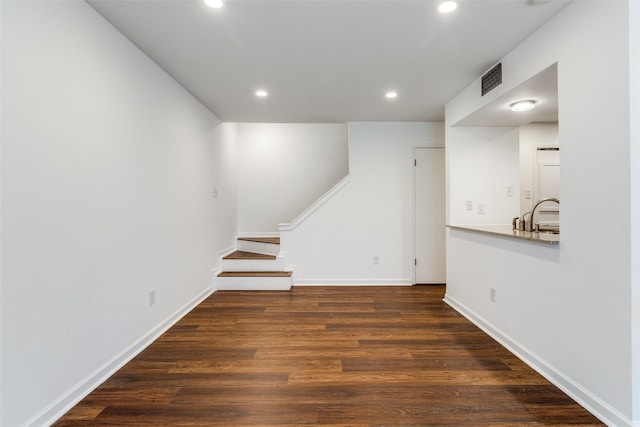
(255, 274)
(244, 255)
(270, 240)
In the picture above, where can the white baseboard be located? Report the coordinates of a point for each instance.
(353, 282)
(72, 397)
(608, 415)
(223, 253)
(218, 267)
(214, 275)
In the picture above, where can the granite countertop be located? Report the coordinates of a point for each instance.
(508, 231)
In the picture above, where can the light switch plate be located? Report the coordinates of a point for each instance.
(509, 191)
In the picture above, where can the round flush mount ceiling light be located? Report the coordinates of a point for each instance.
(216, 4)
(525, 105)
(447, 6)
(261, 93)
(391, 95)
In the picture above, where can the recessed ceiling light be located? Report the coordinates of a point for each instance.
(391, 94)
(525, 105)
(261, 93)
(447, 6)
(216, 4)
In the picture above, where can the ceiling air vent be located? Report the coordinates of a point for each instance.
(491, 79)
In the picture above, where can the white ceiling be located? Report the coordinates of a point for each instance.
(326, 60)
(541, 88)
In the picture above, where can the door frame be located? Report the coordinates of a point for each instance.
(413, 202)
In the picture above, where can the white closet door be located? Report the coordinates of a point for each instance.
(430, 263)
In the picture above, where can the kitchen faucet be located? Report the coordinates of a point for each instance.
(521, 221)
(529, 223)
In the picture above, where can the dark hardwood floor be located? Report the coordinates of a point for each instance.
(333, 356)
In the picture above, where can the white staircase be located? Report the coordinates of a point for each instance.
(255, 265)
(259, 245)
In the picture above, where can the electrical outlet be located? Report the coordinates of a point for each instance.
(481, 208)
(527, 194)
(152, 297)
(469, 205)
(215, 193)
(509, 191)
(492, 294)
(376, 259)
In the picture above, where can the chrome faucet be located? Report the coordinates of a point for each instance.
(523, 220)
(529, 224)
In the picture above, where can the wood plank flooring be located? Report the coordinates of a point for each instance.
(244, 255)
(327, 356)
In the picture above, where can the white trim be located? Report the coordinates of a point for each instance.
(69, 399)
(259, 247)
(608, 415)
(259, 283)
(223, 253)
(292, 269)
(316, 205)
(217, 269)
(278, 264)
(414, 220)
(413, 241)
(353, 282)
(214, 275)
(259, 234)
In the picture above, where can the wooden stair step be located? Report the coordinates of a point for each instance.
(249, 256)
(255, 274)
(269, 240)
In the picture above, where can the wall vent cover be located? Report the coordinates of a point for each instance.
(491, 79)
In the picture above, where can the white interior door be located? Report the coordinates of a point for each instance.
(547, 184)
(430, 262)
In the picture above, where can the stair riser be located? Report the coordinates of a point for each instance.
(253, 265)
(258, 247)
(253, 283)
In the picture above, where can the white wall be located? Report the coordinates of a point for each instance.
(108, 167)
(634, 75)
(283, 168)
(225, 186)
(1, 127)
(566, 309)
(482, 163)
(371, 215)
